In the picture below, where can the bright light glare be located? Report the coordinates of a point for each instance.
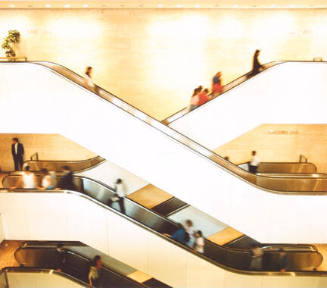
(160, 5)
(12, 6)
(197, 5)
(179, 5)
(67, 5)
(85, 5)
(47, 5)
(230, 27)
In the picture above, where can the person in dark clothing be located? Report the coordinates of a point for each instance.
(256, 65)
(60, 257)
(180, 234)
(17, 151)
(66, 181)
(282, 260)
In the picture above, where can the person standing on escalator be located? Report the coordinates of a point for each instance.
(256, 65)
(66, 182)
(94, 275)
(254, 163)
(120, 193)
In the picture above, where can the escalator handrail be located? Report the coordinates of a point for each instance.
(40, 270)
(223, 266)
(77, 255)
(178, 137)
(98, 160)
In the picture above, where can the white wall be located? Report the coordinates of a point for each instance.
(108, 173)
(54, 216)
(39, 280)
(290, 93)
(151, 155)
(2, 235)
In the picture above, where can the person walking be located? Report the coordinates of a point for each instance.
(180, 234)
(17, 151)
(120, 193)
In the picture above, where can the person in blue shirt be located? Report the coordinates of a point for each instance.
(180, 234)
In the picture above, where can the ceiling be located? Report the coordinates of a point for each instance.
(162, 4)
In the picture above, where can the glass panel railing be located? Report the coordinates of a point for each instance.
(300, 257)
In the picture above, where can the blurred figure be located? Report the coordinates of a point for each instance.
(203, 97)
(226, 158)
(180, 234)
(53, 177)
(66, 182)
(256, 65)
(46, 181)
(94, 275)
(254, 163)
(60, 257)
(88, 79)
(120, 193)
(217, 86)
(194, 100)
(199, 242)
(257, 256)
(17, 151)
(189, 229)
(282, 260)
(27, 180)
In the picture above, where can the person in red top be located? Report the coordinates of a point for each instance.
(203, 97)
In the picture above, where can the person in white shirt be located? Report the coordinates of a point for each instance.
(199, 242)
(254, 163)
(190, 230)
(120, 193)
(27, 181)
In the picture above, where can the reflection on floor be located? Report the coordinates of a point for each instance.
(2, 175)
(7, 250)
(225, 236)
(322, 248)
(149, 196)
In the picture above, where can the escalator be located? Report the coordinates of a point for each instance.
(271, 97)
(231, 85)
(161, 155)
(219, 260)
(160, 223)
(44, 257)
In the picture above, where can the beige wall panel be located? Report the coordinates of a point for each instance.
(280, 143)
(48, 146)
(153, 58)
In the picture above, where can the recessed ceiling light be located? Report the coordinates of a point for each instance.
(85, 5)
(160, 5)
(235, 6)
(179, 5)
(12, 6)
(47, 5)
(292, 6)
(273, 6)
(197, 5)
(67, 5)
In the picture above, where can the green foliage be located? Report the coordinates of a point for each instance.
(8, 43)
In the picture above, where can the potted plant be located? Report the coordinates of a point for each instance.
(9, 43)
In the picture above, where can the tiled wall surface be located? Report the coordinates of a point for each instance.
(153, 58)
